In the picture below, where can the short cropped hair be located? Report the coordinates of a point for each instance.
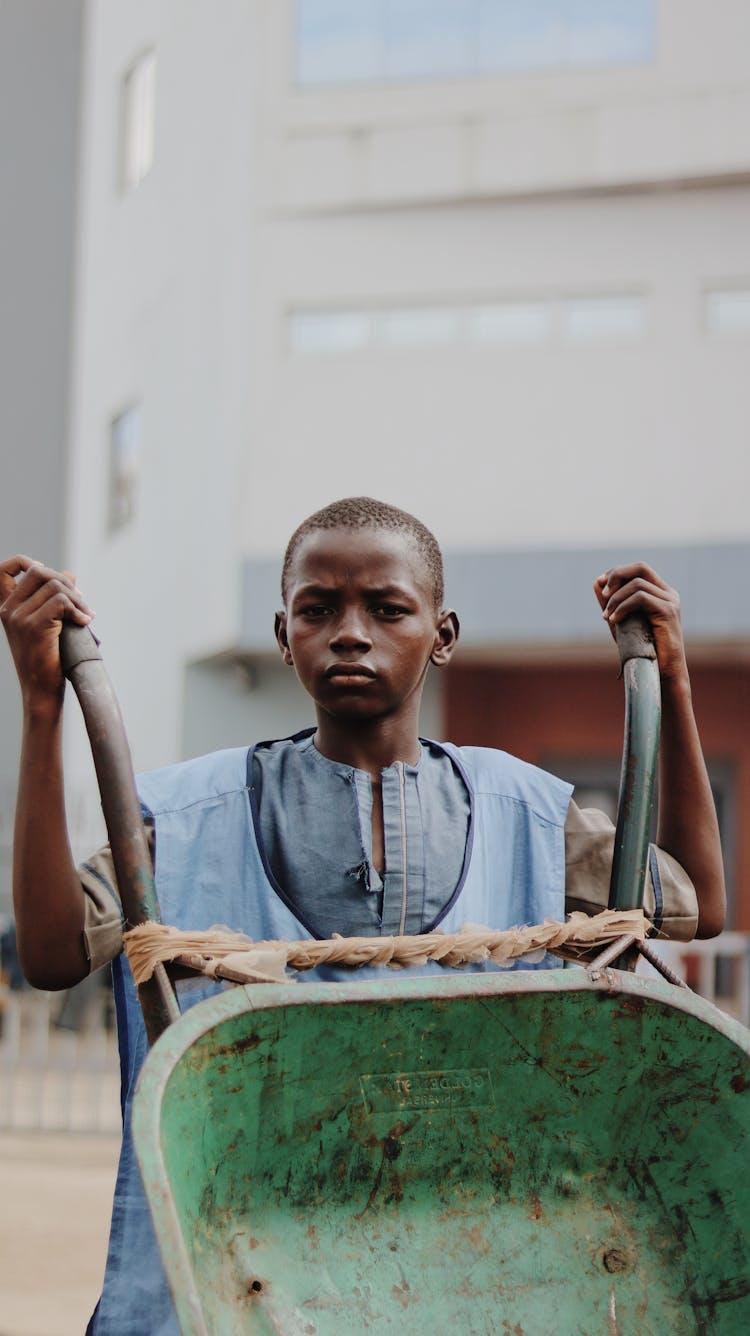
(363, 512)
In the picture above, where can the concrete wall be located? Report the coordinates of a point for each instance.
(40, 72)
(166, 321)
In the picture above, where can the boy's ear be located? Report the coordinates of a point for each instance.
(279, 627)
(446, 636)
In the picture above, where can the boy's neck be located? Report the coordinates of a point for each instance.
(371, 746)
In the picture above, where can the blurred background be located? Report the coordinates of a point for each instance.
(484, 259)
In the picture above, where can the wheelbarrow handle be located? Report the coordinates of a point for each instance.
(635, 638)
(78, 644)
(83, 666)
(640, 672)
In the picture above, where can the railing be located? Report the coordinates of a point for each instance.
(718, 969)
(58, 1061)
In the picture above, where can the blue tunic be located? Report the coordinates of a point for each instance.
(211, 869)
(314, 818)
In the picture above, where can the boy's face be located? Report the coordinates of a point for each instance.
(360, 625)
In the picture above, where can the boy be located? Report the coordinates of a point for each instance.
(355, 827)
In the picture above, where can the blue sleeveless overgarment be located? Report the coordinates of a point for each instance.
(210, 870)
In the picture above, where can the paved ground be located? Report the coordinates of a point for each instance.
(55, 1200)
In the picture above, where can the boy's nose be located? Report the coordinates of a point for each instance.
(350, 631)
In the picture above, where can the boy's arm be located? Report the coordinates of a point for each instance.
(687, 827)
(47, 894)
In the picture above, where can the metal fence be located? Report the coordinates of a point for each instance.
(718, 969)
(59, 1069)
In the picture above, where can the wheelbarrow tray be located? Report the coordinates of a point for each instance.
(525, 1152)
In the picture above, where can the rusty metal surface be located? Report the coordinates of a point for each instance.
(526, 1153)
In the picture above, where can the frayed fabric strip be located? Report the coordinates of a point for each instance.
(219, 953)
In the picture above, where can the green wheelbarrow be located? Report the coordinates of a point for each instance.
(527, 1152)
(532, 1152)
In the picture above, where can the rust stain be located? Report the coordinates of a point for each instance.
(396, 1194)
(627, 1007)
(244, 1045)
(390, 1146)
(403, 1295)
(739, 1084)
(477, 1240)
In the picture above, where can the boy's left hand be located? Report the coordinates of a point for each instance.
(637, 588)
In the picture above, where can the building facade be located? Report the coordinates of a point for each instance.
(493, 267)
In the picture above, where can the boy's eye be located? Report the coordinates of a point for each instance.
(389, 610)
(314, 610)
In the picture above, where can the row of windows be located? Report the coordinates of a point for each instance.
(387, 41)
(518, 322)
(613, 318)
(582, 320)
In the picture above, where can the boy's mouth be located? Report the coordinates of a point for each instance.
(355, 672)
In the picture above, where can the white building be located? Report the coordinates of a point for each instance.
(489, 262)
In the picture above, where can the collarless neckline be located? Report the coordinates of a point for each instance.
(307, 745)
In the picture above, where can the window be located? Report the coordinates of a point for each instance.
(138, 112)
(418, 327)
(564, 34)
(427, 39)
(328, 331)
(605, 319)
(387, 41)
(728, 311)
(124, 449)
(519, 323)
(513, 322)
(338, 41)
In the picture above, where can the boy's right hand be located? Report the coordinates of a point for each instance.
(34, 602)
